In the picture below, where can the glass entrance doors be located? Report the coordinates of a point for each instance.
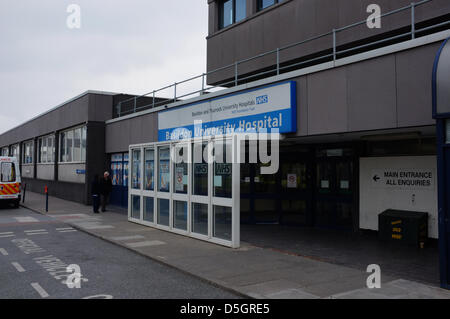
(281, 198)
(311, 188)
(189, 187)
(335, 189)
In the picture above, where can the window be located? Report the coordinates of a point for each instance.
(262, 4)
(5, 151)
(232, 11)
(15, 151)
(164, 169)
(149, 169)
(136, 169)
(72, 145)
(200, 169)
(28, 149)
(8, 173)
(46, 149)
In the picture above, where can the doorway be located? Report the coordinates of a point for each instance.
(313, 187)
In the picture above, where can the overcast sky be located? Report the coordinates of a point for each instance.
(128, 46)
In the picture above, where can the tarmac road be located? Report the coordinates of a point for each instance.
(35, 251)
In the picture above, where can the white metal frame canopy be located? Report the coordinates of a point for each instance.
(195, 194)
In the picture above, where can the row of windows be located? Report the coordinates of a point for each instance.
(73, 145)
(232, 11)
(72, 148)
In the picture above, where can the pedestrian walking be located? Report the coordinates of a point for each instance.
(95, 191)
(105, 190)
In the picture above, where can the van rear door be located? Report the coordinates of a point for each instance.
(9, 186)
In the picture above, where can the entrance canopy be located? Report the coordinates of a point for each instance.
(189, 187)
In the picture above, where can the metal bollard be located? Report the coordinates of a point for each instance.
(24, 192)
(46, 198)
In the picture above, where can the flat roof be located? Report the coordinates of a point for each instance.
(61, 105)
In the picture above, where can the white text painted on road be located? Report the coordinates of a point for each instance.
(28, 246)
(3, 252)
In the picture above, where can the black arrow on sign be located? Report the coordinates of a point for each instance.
(376, 178)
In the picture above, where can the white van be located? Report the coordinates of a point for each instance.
(10, 181)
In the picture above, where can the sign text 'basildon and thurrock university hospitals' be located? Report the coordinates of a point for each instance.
(269, 109)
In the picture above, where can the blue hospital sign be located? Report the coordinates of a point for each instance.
(268, 109)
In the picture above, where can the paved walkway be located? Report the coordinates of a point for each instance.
(251, 271)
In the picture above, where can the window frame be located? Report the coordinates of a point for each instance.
(48, 154)
(233, 13)
(63, 139)
(28, 153)
(259, 5)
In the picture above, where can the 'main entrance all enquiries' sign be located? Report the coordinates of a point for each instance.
(266, 109)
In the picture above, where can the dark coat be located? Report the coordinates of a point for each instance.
(95, 187)
(105, 186)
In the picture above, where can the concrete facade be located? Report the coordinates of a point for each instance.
(293, 21)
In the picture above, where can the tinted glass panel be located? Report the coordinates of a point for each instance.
(180, 169)
(265, 3)
(241, 10)
(148, 209)
(136, 207)
(149, 168)
(136, 170)
(200, 218)
(164, 169)
(223, 169)
(222, 222)
(163, 212)
(180, 212)
(200, 170)
(226, 11)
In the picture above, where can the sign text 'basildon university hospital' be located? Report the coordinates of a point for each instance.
(271, 109)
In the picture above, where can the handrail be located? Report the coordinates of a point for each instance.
(234, 67)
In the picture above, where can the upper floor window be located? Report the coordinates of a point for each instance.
(46, 151)
(262, 4)
(5, 151)
(28, 150)
(232, 11)
(73, 145)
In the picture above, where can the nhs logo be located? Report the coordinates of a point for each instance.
(262, 99)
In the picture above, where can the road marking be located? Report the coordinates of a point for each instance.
(7, 233)
(39, 290)
(7, 236)
(35, 231)
(3, 252)
(18, 267)
(125, 238)
(146, 243)
(42, 233)
(26, 219)
(65, 228)
(68, 231)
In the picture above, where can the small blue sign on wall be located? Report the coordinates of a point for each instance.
(81, 171)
